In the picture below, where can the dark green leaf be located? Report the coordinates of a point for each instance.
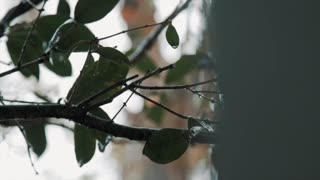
(113, 54)
(84, 144)
(98, 112)
(47, 25)
(72, 36)
(172, 36)
(88, 11)
(36, 136)
(33, 50)
(183, 66)
(97, 76)
(166, 145)
(103, 138)
(63, 8)
(59, 63)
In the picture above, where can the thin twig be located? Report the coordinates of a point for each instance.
(201, 96)
(113, 86)
(148, 42)
(159, 104)
(25, 65)
(5, 63)
(30, 31)
(28, 146)
(123, 105)
(208, 92)
(26, 139)
(133, 29)
(173, 87)
(34, 5)
(138, 81)
(168, 109)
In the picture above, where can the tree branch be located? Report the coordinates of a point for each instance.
(138, 81)
(173, 87)
(148, 42)
(25, 65)
(79, 115)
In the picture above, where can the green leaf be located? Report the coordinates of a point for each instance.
(59, 63)
(84, 144)
(72, 36)
(172, 36)
(88, 11)
(47, 25)
(183, 66)
(33, 50)
(96, 76)
(63, 8)
(113, 54)
(103, 138)
(166, 145)
(36, 136)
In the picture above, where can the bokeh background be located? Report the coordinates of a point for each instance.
(122, 159)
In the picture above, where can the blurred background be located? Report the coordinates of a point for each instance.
(122, 159)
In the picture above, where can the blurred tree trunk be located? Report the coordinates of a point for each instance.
(268, 61)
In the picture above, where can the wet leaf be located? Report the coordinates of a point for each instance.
(33, 50)
(166, 145)
(172, 36)
(113, 54)
(98, 75)
(47, 25)
(36, 136)
(72, 36)
(59, 63)
(84, 144)
(63, 8)
(88, 11)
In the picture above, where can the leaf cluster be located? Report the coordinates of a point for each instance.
(55, 38)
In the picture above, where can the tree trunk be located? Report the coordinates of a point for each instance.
(268, 57)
